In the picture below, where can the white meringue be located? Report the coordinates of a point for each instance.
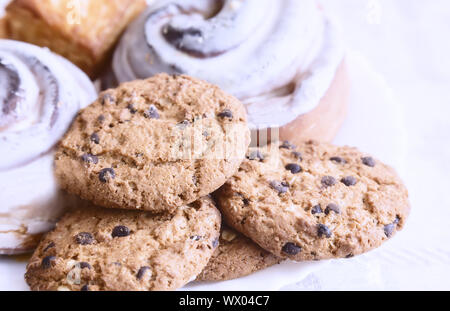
(40, 94)
(278, 57)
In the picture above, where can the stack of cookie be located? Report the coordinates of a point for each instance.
(292, 89)
(147, 155)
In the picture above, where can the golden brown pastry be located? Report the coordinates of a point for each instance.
(82, 31)
(2, 29)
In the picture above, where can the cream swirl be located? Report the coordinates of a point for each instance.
(40, 93)
(279, 57)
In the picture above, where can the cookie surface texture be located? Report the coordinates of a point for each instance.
(107, 249)
(235, 257)
(315, 201)
(153, 144)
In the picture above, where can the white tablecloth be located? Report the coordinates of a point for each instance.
(408, 42)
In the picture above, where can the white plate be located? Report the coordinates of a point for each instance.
(374, 124)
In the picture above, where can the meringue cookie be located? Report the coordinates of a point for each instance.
(40, 94)
(278, 57)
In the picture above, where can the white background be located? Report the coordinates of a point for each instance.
(408, 42)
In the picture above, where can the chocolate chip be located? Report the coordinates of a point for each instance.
(50, 245)
(389, 229)
(338, 160)
(196, 237)
(291, 249)
(85, 288)
(84, 238)
(294, 168)
(108, 98)
(215, 243)
(317, 209)
(132, 109)
(281, 187)
(323, 230)
(256, 155)
(84, 265)
(287, 145)
(120, 232)
(246, 201)
(105, 174)
(349, 181)
(101, 118)
(226, 114)
(328, 181)
(95, 138)
(297, 155)
(48, 262)
(349, 255)
(369, 161)
(332, 208)
(152, 113)
(89, 158)
(183, 125)
(141, 272)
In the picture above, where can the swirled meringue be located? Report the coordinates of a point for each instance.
(40, 94)
(278, 57)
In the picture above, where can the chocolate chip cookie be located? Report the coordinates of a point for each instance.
(107, 249)
(235, 257)
(314, 201)
(153, 144)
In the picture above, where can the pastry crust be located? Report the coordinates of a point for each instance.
(2, 28)
(321, 124)
(27, 245)
(84, 32)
